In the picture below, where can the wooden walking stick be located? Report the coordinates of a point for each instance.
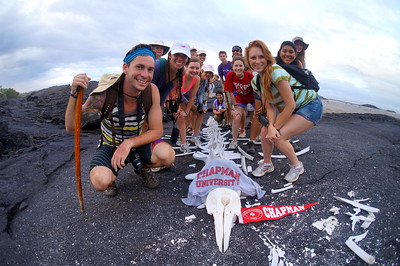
(77, 145)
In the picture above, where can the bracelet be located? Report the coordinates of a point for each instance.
(73, 96)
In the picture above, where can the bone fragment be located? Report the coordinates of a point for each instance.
(350, 242)
(248, 156)
(243, 164)
(358, 205)
(281, 189)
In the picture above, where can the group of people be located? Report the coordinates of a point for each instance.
(131, 124)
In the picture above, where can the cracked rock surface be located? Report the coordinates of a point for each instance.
(41, 223)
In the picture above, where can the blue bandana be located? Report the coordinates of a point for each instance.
(137, 52)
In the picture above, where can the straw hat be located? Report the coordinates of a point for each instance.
(106, 81)
(161, 43)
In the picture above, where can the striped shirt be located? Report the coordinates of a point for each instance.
(302, 97)
(130, 129)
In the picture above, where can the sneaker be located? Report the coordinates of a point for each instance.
(148, 178)
(233, 145)
(262, 169)
(294, 173)
(242, 133)
(185, 148)
(196, 140)
(258, 138)
(157, 169)
(178, 142)
(111, 190)
(250, 147)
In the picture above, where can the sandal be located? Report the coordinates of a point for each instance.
(189, 130)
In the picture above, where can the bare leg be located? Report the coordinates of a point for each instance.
(101, 177)
(296, 125)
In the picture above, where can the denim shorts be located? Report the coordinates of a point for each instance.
(244, 105)
(312, 111)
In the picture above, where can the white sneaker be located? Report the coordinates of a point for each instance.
(196, 140)
(233, 145)
(294, 173)
(185, 148)
(262, 169)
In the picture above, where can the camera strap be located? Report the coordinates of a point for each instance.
(121, 113)
(258, 84)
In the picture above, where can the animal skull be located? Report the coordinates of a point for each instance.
(224, 204)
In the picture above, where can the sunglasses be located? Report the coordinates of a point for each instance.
(233, 51)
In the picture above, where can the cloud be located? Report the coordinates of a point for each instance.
(353, 43)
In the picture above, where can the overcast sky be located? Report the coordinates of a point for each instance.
(354, 47)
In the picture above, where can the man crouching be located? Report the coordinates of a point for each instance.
(126, 103)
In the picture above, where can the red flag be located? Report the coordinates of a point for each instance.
(262, 213)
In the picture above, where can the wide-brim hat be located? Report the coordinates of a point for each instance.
(160, 43)
(106, 81)
(298, 38)
(180, 47)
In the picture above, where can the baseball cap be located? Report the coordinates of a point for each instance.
(236, 47)
(180, 47)
(208, 67)
(199, 52)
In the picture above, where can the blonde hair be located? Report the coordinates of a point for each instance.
(266, 72)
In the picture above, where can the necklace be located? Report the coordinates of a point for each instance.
(130, 96)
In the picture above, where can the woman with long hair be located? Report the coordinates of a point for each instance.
(199, 109)
(301, 48)
(168, 72)
(287, 54)
(185, 97)
(238, 84)
(289, 111)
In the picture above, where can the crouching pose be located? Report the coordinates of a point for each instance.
(290, 111)
(124, 138)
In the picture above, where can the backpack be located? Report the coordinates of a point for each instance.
(111, 100)
(159, 67)
(304, 76)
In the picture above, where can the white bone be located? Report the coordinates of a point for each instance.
(243, 164)
(224, 204)
(350, 242)
(281, 156)
(190, 218)
(245, 154)
(366, 224)
(190, 176)
(249, 169)
(184, 154)
(358, 205)
(281, 189)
